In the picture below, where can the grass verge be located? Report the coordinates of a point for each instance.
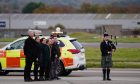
(7, 39)
(122, 58)
(89, 38)
(94, 38)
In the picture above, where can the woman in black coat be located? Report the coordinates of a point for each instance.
(44, 60)
(106, 47)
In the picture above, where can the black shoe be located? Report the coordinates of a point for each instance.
(36, 79)
(28, 80)
(109, 79)
(104, 79)
(57, 78)
(48, 79)
(41, 79)
(51, 78)
(31, 79)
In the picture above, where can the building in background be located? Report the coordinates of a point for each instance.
(85, 22)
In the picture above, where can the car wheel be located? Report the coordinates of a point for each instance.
(3, 73)
(67, 72)
(60, 69)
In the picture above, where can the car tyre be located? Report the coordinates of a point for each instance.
(60, 69)
(3, 73)
(67, 72)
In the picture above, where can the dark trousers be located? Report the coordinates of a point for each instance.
(41, 72)
(27, 70)
(45, 70)
(36, 66)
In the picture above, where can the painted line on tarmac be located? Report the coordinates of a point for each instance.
(99, 71)
(81, 78)
(100, 78)
(10, 78)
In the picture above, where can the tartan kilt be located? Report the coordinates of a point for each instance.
(106, 61)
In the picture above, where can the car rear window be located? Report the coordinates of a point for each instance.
(76, 44)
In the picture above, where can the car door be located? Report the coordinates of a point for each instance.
(14, 55)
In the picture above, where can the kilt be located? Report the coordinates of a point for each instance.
(106, 61)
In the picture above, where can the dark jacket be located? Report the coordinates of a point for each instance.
(106, 47)
(45, 54)
(30, 47)
(55, 51)
(37, 50)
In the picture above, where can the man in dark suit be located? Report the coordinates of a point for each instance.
(106, 47)
(29, 51)
(37, 58)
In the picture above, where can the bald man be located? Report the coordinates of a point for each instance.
(29, 52)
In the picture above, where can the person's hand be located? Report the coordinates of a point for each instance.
(37, 59)
(56, 56)
(113, 50)
(109, 52)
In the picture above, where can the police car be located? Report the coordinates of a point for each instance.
(72, 56)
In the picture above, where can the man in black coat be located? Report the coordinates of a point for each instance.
(106, 47)
(37, 58)
(29, 52)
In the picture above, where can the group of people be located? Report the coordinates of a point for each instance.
(44, 53)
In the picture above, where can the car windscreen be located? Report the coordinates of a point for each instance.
(18, 44)
(76, 44)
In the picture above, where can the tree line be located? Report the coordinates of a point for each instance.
(34, 7)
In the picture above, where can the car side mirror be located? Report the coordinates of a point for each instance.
(9, 48)
(82, 50)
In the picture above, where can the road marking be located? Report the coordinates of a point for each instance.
(78, 78)
(100, 78)
(100, 71)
